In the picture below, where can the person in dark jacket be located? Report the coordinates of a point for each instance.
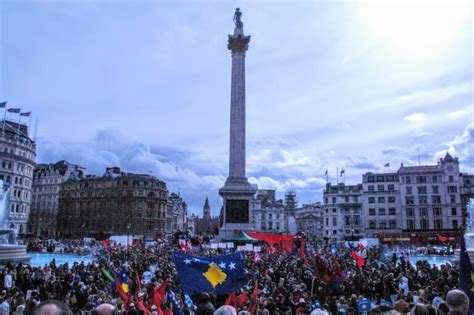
(205, 307)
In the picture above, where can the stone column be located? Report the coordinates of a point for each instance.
(238, 45)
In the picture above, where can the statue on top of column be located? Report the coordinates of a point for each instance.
(237, 21)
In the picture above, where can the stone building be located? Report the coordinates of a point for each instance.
(309, 219)
(431, 198)
(17, 162)
(342, 212)
(176, 214)
(381, 204)
(117, 203)
(47, 180)
(267, 213)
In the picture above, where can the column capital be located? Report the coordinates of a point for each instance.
(238, 43)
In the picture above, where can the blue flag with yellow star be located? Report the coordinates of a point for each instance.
(220, 274)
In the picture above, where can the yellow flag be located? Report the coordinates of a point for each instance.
(215, 275)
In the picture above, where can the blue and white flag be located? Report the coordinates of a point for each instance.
(220, 274)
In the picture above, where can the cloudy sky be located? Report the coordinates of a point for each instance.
(145, 85)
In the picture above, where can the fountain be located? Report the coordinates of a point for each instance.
(10, 250)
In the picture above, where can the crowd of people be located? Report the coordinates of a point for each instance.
(325, 280)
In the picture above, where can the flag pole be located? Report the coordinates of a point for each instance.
(29, 123)
(19, 119)
(4, 117)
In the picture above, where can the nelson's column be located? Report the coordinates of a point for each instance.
(237, 191)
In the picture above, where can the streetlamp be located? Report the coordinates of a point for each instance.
(129, 225)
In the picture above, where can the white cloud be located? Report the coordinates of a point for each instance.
(417, 118)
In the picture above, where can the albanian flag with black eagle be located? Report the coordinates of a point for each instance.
(220, 274)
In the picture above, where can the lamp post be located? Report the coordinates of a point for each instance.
(129, 225)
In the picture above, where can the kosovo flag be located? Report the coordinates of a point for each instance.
(220, 274)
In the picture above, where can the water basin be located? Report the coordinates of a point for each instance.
(40, 259)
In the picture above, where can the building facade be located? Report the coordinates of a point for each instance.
(267, 213)
(176, 214)
(431, 198)
(382, 212)
(17, 162)
(116, 203)
(47, 180)
(309, 219)
(342, 212)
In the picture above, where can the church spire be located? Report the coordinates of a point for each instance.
(206, 209)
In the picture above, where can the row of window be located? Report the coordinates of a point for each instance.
(346, 199)
(381, 199)
(390, 187)
(424, 212)
(19, 152)
(424, 224)
(422, 179)
(17, 180)
(423, 200)
(392, 224)
(381, 178)
(383, 211)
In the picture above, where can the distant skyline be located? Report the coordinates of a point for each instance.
(145, 85)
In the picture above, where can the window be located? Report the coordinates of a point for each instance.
(437, 211)
(392, 211)
(391, 199)
(453, 198)
(408, 179)
(371, 211)
(372, 224)
(326, 200)
(380, 188)
(409, 190)
(370, 187)
(346, 199)
(269, 216)
(392, 224)
(421, 179)
(455, 224)
(453, 211)
(334, 210)
(380, 178)
(383, 225)
(390, 178)
(410, 212)
(434, 178)
(423, 212)
(423, 200)
(381, 199)
(327, 221)
(436, 199)
(451, 178)
(278, 217)
(424, 224)
(381, 211)
(370, 179)
(435, 190)
(452, 189)
(438, 224)
(334, 221)
(391, 187)
(371, 199)
(333, 199)
(409, 200)
(421, 190)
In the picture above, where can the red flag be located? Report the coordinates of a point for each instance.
(254, 299)
(360, 245)
(159, 294)
(106, 243)
(137, 280)
(230, 299)
(442, 238)
(242, 299)
(301, 249)
(141, 306)
(359, 260)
